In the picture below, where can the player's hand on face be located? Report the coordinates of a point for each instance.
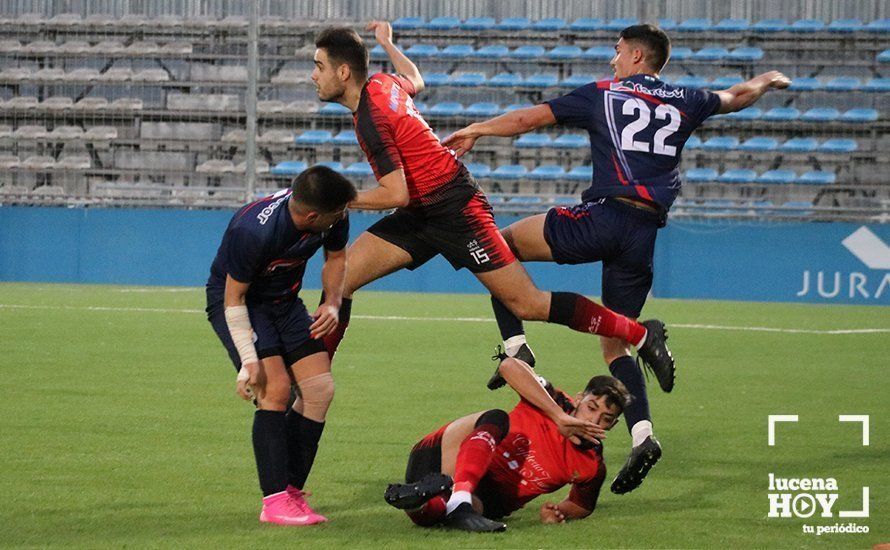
(550, 513)
(326, 319)
(460, 141)
(382, 31)
(247, 379)
(574, 429)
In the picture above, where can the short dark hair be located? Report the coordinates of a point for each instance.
(344, 45)
(322, 189)
(654, 41)
(613, 389)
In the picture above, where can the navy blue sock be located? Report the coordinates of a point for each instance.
(626, 369)
(270, 450)
(509, 324)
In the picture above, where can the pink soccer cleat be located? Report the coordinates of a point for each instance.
(282, 509)
(299, 497)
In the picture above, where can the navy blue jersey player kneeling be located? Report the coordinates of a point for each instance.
(255, 309)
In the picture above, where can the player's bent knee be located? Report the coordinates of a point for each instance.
(317, 394)
(497, 421)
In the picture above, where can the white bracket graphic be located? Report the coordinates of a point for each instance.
(863, 418)
(771, 425)
(858, 513)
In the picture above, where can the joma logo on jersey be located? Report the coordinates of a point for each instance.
(267, 211)
(477, 252)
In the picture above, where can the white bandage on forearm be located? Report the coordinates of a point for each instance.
(242, 334)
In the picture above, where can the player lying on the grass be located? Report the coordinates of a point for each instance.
(439, 207)
(638, 125)
(499, 462)
(254, 307)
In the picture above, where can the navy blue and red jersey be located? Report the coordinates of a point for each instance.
(263, 247)
(638, 127)
(393, 135)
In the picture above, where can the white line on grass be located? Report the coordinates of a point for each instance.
(458, 319)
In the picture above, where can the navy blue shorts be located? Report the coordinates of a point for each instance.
(280, 328)
(619, 235)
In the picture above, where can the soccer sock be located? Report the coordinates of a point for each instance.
(510, 326)
(270, 450)
(475, 455)
(333, 339)
(579, 313)
(625, 369)
(303, 436)
(431, 513)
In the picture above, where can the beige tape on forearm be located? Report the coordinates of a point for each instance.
(242, 334)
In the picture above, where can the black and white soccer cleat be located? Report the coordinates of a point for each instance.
(639, 462)
(656, 356)
(408, 496)
(524, 353)
(466, 519)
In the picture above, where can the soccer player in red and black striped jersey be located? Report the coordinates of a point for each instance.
(480, 468)
(439, 207)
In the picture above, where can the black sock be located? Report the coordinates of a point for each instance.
(270, 450)
(509, 324)
(562, 308)
(302, 445)
(626, 369)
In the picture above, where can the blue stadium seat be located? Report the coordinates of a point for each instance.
(621, 23)
(746, 54)
(478, 24)
(695, 24)
(443, 23)
(860, 115)
(513, 24)
(843, 84)
(701, 175)
(314, 137)
(482, 110)
(580, 173)
(808, 25)
(839, 145)
(677, 54)
(468, 80)
(694, 142)
(884, 57)
(759, 143)
(421, 107)
(599, 53)
(515, 106)
(493, 51)
(509, 172)
(478, 169)
(447, 108)
(505, 80)
(377, 52)
(690, 81)
(527, 52)
(335, 166)
(720, 143)
(737, 175)
(805, 84)
(781, 114)
(571, 141)
(456, 51)
(817, 177)
(532, 141)
(408, 23)
(879, 25)
(586, 24)
(800, 145)
(770, 25)
(667, 24)
(732, 25)
(422, 51)
(547, 172)
(543, 80)
(549, 24)
(777, 176)
(564, 53)
(288, 168)
(334, 109)
(577, 80)
(346, 137)
(711, 54)
(821, 114)
(749, 113)
(436, 79)
(877, 85)
(845, 25)
(359, 170)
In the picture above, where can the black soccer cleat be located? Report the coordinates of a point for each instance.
(639, 462)
(466, 519)
(523, 354)
(408, 496)
(655, 354)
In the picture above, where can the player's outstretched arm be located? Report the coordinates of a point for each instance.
(510, 124)
(400, 62)
(747, 93)
(333, 278)
(392, 192)
(238, 321)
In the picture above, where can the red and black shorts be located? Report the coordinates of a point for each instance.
(457, 223)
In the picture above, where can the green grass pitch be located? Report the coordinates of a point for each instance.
(121, 427)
